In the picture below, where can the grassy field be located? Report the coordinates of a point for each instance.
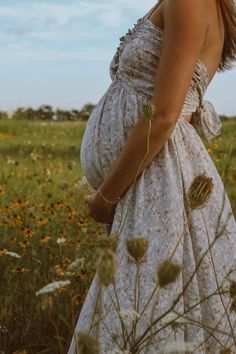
(43, 218)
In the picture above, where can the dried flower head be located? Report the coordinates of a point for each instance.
(63, 185)
(137, 247)
(232, 289)
(168, 272)
(233, 305)
(70, 164)
(109, 242)
(107, 264)
(86, 344)
(226, 351)
(46, 303)
(200, 191)
(148, 110)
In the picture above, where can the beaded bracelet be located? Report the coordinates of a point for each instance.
(106, 200)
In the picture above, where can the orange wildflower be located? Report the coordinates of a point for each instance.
(71, 214)
(81, 223)
(8, 208)
(3, 250)
(24, 244)
(20, 270)
(26, 232)
(17, 219)
(17, 203)
(42, 221)
(1, 190)
(45, 239)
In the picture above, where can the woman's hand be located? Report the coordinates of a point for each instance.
(99, 210)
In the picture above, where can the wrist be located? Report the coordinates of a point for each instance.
(108, 199)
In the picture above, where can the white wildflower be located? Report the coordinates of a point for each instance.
(48, 172)
(78, 263)
(52, 286)
(81, 183)
(61, 240)
(10, 161)
(13, 254)
(178, 347)
(127, 316)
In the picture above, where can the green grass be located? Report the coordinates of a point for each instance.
(41, 201)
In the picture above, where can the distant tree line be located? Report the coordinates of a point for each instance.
(46, 113)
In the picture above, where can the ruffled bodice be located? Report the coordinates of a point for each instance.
(136, 61)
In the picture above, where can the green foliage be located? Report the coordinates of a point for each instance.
(3, 115)
(41, 201)
(46, 113)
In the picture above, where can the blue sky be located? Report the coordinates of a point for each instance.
(58, 52)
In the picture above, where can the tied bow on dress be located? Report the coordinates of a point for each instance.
(206, 120)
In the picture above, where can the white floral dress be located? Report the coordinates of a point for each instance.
(156, 207)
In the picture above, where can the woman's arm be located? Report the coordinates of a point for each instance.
(184, 34)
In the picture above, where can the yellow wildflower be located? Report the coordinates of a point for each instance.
(3, 250)
(24, 244)
(19, 270)
(42, 221)
(45, 239)
(1, 190)
(17, 219)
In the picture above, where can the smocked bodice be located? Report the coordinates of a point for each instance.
(135, 63)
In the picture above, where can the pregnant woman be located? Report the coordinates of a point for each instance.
(156, 187)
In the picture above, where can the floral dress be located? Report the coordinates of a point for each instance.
(155, 209)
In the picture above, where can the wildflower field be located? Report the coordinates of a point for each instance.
(46, 235)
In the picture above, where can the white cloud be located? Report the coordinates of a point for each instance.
(61, 14)
(86, 53)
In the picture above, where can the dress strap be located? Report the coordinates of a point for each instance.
(150, 12)
(206, 119)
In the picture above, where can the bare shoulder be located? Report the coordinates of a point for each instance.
(187, 15)
(185, 30)
(186, 26)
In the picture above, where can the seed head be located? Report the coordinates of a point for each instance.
(200, 191)
(107, 264)
(63, 184)
(137, 247)
(148, 110)
(232, 289)
(168, 272)
(233, 305)
(86, 344)
(46, 303)
(226, 351)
